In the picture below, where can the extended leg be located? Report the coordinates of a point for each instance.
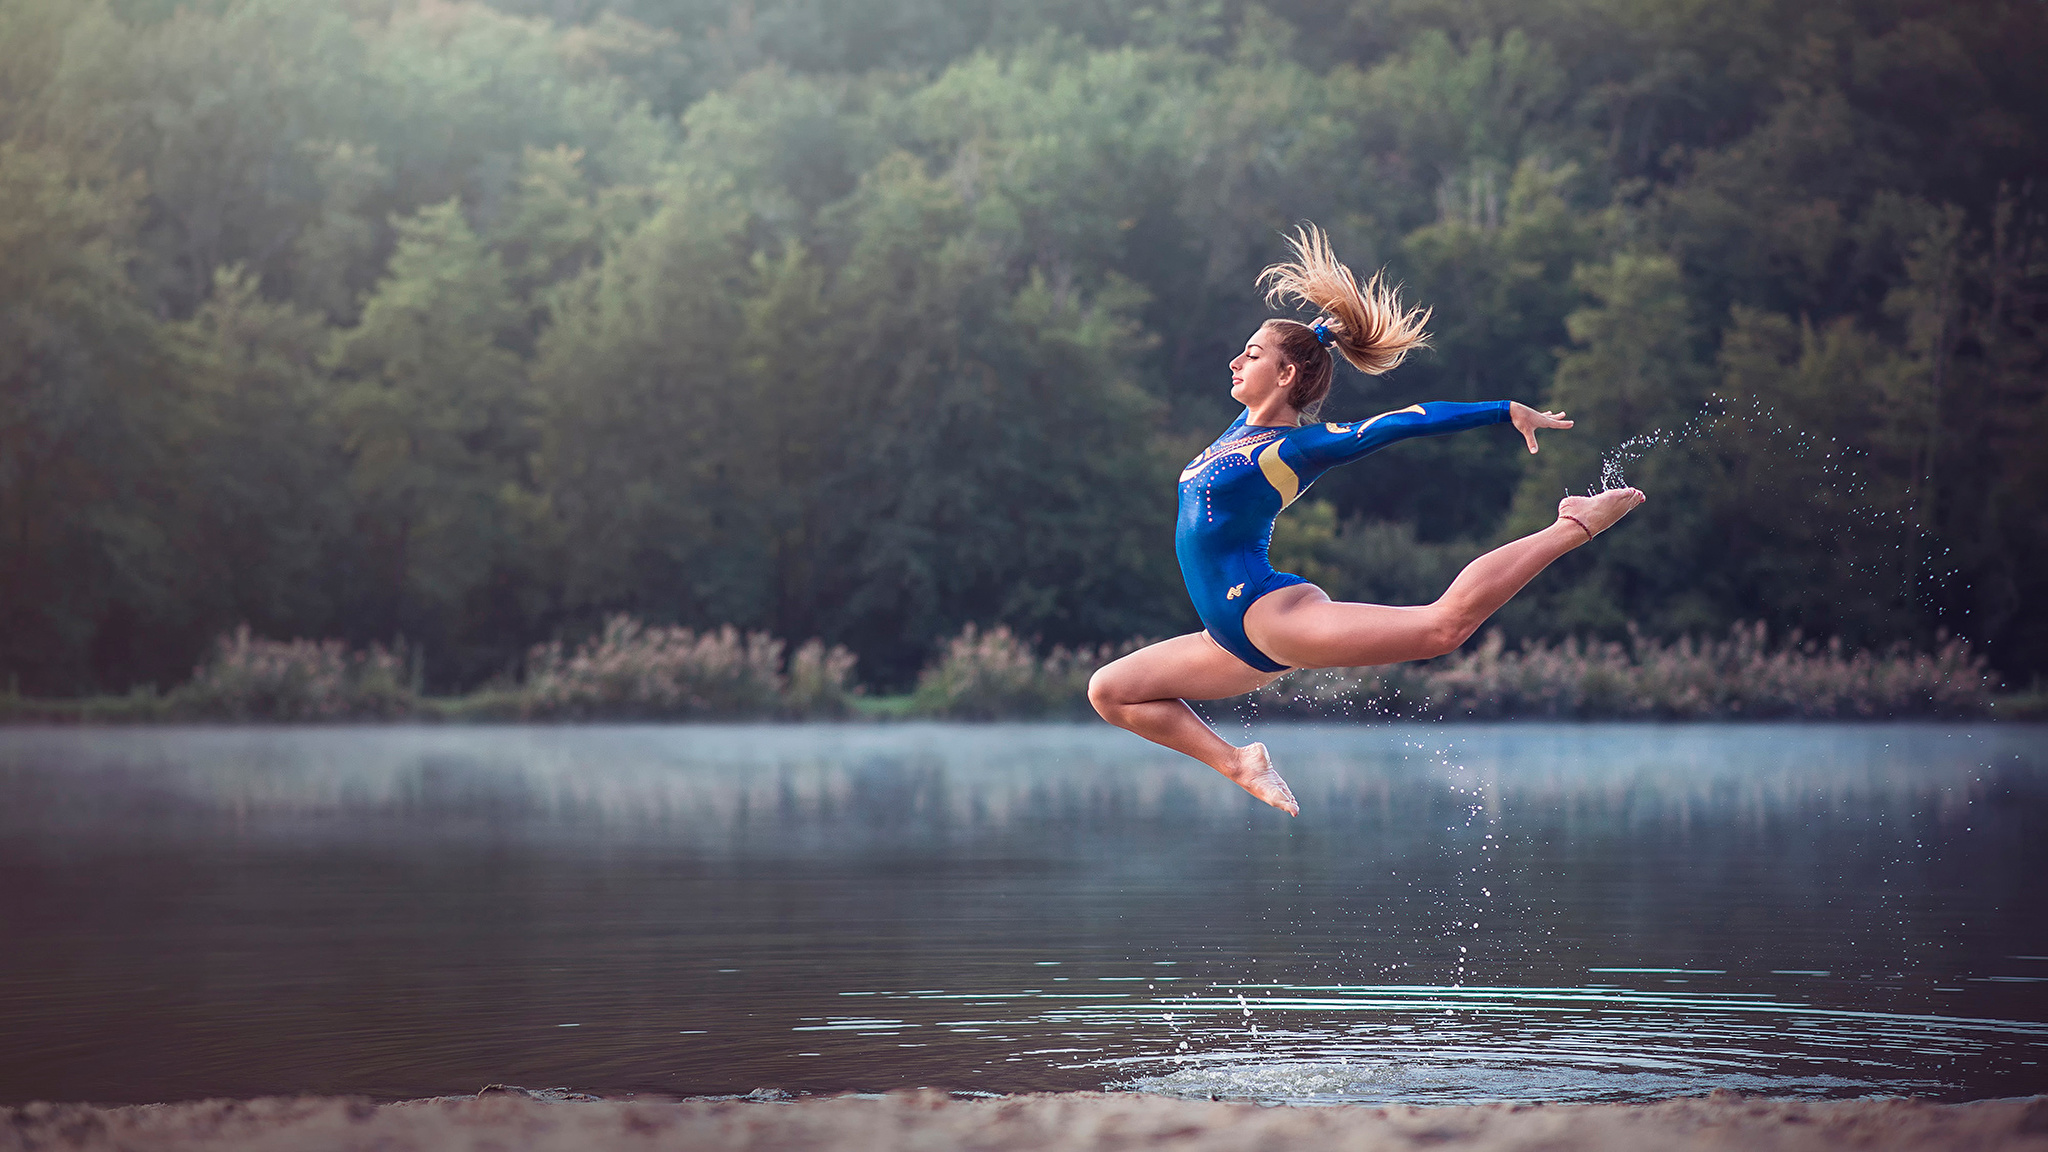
(1303, 627)
(1147, 691)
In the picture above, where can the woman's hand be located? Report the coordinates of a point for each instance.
(1527, 420)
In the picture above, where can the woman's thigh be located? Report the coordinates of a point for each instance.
(1300, 626)
(1189, 667)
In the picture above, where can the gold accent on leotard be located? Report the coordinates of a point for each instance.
(1415, 408)
(1244, 447)
(1279, 475)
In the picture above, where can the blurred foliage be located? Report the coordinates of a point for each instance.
(472, 324)
(1744, 677)
(249, 678)
(997, 675)
(630, 670)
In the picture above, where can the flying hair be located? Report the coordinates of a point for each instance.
(1368, 325)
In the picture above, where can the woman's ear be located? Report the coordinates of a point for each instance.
(1287, 374)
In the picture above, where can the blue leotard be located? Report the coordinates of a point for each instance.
(1231, 493)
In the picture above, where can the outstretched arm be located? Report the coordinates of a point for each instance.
(1324, 446)
(1328, 445)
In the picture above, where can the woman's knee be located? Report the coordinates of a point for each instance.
(1447, 631)
(1103, 694)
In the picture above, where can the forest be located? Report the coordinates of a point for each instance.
(467, 326)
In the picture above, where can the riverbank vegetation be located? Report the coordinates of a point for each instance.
(631, 671)
(477, 324)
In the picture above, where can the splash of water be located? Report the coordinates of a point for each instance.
(1917, 556)
(1721, 414)
(1703, 424)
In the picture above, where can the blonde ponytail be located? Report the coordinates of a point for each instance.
(1368, 325)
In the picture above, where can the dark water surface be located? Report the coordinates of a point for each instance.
(1523, 911)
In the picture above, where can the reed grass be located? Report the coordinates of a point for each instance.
(1743, 675)
(247, 677)
(632, 671)
(995, 675)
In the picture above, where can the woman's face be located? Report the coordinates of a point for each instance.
(1260, 370)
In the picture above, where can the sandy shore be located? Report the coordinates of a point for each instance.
(1068, 1122)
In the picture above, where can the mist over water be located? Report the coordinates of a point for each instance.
(1525, 911)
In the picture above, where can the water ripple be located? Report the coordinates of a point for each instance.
(1437, 1044)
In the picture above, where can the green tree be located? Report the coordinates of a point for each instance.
(1004, 470)
(266, 507)
(1799, 478)
(432, 411)
(645, 462)
(218, 105)
(1635, 372)
(88, 566)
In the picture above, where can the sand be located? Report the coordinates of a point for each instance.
(516, 1121)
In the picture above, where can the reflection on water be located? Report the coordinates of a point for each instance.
(1462, 912)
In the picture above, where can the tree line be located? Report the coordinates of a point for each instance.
(470, 324)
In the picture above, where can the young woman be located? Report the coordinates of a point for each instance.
(1258, 623)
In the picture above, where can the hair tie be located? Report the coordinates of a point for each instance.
(1322, 330)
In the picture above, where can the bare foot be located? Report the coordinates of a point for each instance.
(1255, 774)
(1596, 514)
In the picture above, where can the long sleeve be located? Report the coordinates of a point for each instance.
(1325, 446)
(1296, 461)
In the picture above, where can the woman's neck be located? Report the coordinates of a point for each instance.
(1272, 413)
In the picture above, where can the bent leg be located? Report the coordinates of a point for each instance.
(1302, 626)
(1147, 691)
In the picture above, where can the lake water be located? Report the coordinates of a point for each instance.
(1462, 912)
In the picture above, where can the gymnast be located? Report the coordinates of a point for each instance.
(1258, 623)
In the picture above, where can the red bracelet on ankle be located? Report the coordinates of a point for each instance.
(1579, 522)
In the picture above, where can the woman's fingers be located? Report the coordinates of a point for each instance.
(1527, 425)
(1541, 420)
